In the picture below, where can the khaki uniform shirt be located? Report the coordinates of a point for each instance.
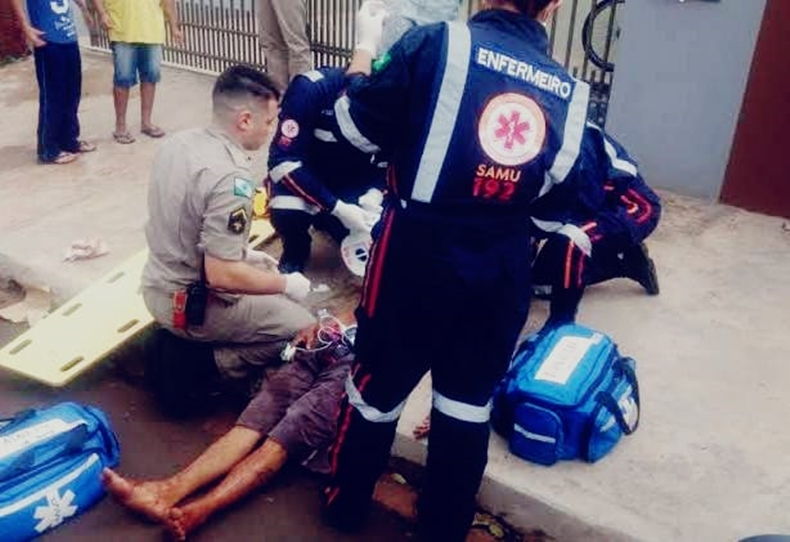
(199, 201)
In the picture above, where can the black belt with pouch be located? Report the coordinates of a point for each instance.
(195, 309)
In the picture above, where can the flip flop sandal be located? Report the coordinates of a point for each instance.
(64, 158)
(154, 132)
(85, 146)
(124, 138)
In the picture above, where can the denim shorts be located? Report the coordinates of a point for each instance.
(131, 59)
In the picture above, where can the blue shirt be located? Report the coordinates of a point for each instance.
(54, 18)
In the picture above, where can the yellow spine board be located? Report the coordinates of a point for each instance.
(92, 324)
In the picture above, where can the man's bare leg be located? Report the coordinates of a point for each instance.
(251, 473)
(121, 101)
(155, 498)
(147, 94)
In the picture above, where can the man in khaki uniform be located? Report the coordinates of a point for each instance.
(282, 26)
(200, 207)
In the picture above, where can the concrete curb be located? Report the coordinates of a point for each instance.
(523, 509)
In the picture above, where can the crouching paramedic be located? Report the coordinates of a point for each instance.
(599, 238)
(479, 122)
(199, 282)
(317, 177)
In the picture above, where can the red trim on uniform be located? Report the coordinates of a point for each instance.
(392, 180)
(372, 284)
(587, 227)
(648, 208)
(568, 261)
(581, 270)
(290, 183)
(631, 206)
(343, 428)
(332, 494)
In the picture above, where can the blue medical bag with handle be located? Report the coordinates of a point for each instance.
(569, 394)
(51, 461)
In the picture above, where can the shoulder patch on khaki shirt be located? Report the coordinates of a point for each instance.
(237, 220)
(243, 188)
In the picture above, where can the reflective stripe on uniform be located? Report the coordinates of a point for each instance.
(573, 132)
(461, 411)
(370, 413)
(349, 129)
(617, 162)
(292, 203)
(445, 113)
(314, 75)
(324, 135)
(281, 170)
(579, 237)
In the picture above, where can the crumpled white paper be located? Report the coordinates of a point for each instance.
(84, 249)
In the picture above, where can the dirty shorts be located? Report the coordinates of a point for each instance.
(297, 406)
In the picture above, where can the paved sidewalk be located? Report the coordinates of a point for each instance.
(710, 459)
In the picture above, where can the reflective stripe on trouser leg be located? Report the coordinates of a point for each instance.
(370, 413)
(461, 411)
(457, 455)
(359, 454)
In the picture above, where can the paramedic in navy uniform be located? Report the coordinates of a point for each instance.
(317, 178)
(478, 121)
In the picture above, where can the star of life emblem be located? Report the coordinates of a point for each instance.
(57, 510)
(290, 128)
(512, 129)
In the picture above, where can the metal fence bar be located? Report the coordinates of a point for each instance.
(218, 33)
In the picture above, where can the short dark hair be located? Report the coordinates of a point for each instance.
(531, 7)
(240, 82)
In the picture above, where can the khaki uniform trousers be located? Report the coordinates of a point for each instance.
(282, 28)
(248, 334)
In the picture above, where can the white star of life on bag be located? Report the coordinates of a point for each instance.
(57, 510)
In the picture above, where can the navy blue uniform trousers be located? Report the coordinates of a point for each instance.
(446, 296)
(59, 74)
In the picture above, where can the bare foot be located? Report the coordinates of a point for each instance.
(181, 522)
(147, 498)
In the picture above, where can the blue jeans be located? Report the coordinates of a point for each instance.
(59, 75)
(131, 59)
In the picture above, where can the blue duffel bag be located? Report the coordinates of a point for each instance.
(51, 461)
(569, 394)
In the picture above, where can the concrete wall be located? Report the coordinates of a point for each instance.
(679, 84)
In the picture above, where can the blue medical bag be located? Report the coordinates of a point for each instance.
(51, 461)
(569, 394)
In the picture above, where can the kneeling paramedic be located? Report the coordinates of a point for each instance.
(479, 122)
(603, 236)
(318, 178)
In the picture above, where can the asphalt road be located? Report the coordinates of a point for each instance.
(152, 445)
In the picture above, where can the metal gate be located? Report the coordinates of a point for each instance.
(218, 33)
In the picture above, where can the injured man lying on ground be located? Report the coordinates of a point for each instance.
(292, 417)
